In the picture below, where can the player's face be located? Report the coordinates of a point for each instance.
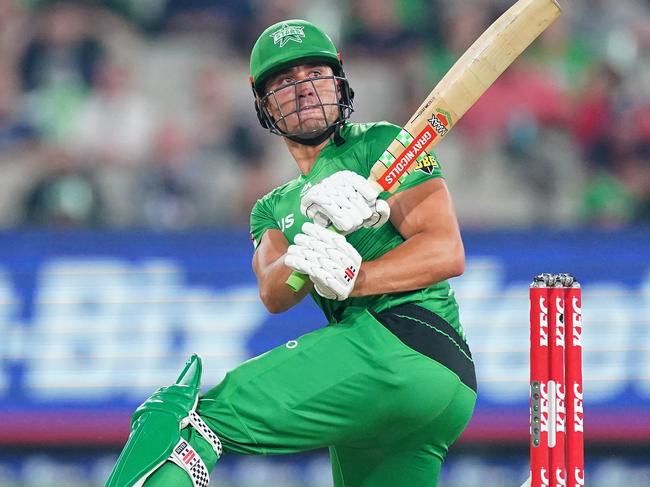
(304, 99)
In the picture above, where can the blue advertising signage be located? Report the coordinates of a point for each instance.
(92, 323)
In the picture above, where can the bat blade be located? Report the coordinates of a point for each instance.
(464, 83)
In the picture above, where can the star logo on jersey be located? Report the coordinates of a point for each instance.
(288, 33)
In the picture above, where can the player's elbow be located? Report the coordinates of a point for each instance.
(271, 303)
(275, 309)
(457, 266)
(456, 259)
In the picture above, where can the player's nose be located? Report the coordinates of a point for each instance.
(305, 87)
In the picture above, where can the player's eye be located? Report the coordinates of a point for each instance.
(315, 72)
(281, 81)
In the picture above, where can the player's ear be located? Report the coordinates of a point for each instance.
(341, 87)
(261, 114)
(266, 103)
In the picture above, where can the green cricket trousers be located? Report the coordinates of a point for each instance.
(387, 393)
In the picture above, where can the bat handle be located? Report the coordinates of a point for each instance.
(296, 281)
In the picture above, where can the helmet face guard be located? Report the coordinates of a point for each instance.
(290, 119)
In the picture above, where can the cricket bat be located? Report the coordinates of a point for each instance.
(457, 91)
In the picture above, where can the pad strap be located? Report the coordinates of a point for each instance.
(208, 435)
(186, 457)
(189, 460)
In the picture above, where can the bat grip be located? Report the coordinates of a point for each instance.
(296, 281)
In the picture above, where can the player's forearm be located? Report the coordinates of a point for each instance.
(276, 295)
(419, 262)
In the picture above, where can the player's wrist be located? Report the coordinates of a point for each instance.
(360, 286)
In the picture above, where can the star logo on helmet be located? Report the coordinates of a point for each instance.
(288, 33)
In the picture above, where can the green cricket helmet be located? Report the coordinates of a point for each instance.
(290, 43)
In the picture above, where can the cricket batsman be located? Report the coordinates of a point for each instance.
(389, 384)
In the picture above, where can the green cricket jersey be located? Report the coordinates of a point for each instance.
(364, 144)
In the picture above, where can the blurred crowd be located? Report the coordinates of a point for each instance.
(139, 114)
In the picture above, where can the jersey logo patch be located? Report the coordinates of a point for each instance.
(288, 33)
(286, 222)
(427, 164)
(305, 188)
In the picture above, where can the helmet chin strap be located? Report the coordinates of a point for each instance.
(313, 141)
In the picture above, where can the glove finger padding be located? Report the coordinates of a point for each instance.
(379, 216)
(309, 242)
(342, 206)
(327, 258)
(344, 220)
(344, 199)
(296, 259)
(357, 202)
(332, 239)
(319, 216)
(323, 290)
(358, 182)
(326, 281)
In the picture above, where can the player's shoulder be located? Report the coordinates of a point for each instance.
(381, 129)
(270, 198)
(375, 137)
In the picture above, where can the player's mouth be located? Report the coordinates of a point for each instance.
(311, 114)
(311, 109)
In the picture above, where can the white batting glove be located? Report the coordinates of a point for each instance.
(327, 258)
(347, 201)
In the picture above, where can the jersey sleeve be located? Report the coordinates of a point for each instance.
(262, 219)
(380, 136)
